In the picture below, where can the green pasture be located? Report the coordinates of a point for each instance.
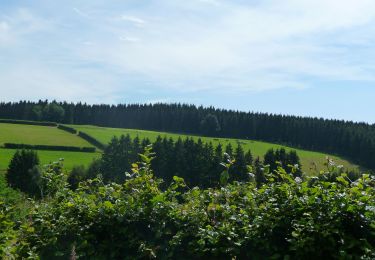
(70, 158)
(38, 135)
(310, 160)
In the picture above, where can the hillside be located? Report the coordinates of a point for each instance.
(352, 140)
(43, 135)
(308, 158)
(47, 135)
(38, 135)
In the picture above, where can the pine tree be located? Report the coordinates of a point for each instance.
(23, 172)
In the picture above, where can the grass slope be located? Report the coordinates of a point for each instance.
(70, 158)
(104, 135)
(42, 135)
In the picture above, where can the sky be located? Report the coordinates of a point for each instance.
(297, 57)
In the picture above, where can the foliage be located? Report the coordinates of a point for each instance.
(7, 233)
(53, 112)
(286, 217)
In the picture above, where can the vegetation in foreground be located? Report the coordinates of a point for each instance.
(328, 216)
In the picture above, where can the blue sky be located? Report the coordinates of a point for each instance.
(301, 57)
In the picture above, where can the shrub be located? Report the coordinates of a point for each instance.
(7, 234)
(77, 175)
(290, 218)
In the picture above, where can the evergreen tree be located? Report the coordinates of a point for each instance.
(229, 149)
(210, 125)
(23, 172)
(259, 172)
(238, 171)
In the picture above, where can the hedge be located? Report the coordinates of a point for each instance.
(26, 122)
(67, 129)
(50, 147)
(91, 140)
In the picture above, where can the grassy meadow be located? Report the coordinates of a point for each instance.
(70, 158)
(38, 135)
(308, 158)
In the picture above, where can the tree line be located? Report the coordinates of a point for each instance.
(355, 141)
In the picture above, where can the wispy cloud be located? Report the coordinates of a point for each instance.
(135, 20)
(80, 13)
(190, 46)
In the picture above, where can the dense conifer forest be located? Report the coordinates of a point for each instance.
(198, 163)
(355, 141)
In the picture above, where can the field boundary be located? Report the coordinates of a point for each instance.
(27, 122)
(67, 129)
(50, 147)
(91, 140)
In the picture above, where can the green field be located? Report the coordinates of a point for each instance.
(308, 158)
(46, 157)
(38, 135)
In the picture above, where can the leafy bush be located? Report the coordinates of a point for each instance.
(286, 217)
(77, 175)
(50, 147)
(7, 234)
(67, 129)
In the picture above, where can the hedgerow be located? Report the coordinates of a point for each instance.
(67, 129)
(91, 140)
(26, 122)
(286, 217)
(50, 147)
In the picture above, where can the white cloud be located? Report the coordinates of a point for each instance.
(34, 80)
(80, 13)
(135, 20)
(202, 45)
(266, 46)
(129, 39)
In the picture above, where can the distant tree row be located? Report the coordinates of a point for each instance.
(355, 141)
(198, 163)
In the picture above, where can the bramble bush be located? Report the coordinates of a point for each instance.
(285, 217)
